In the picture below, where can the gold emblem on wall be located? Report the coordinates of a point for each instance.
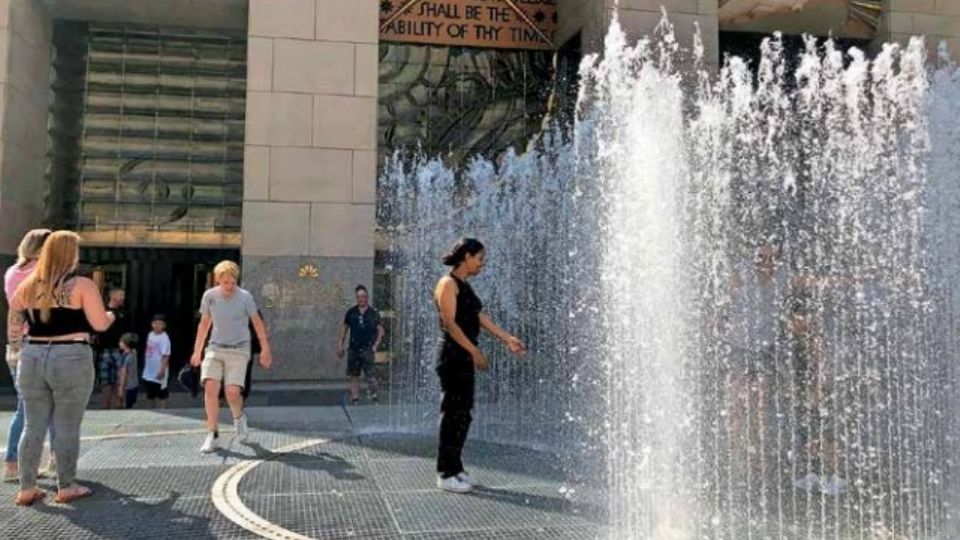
(506, 24)
(308, 271)
(841, 18)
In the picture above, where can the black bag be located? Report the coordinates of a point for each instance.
(189, 378)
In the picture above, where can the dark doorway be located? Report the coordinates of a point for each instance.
(746, 45)
(159, 280)
(563, 100)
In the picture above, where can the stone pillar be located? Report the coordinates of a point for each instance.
(584, 17)
(25, 54)
(640, 17)
(25, 51)
(309, 172)
(937, 20)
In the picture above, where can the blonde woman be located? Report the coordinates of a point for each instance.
(55, 373)
(228, 310)
(27, 254)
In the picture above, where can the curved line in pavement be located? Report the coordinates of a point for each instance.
(225, 492)
(226, 496)
(112, 436)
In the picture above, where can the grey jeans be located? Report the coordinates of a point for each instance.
(55, 382)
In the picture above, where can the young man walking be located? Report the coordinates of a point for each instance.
(366, 332)
(227, 310)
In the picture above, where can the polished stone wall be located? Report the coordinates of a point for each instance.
(303, 300)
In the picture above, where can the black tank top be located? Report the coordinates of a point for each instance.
(63, 321)
(469, 307)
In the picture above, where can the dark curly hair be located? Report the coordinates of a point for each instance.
(460, 250)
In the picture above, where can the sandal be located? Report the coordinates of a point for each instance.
(27, 498)
(72, 493)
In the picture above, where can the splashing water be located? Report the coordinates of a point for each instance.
(740, 291)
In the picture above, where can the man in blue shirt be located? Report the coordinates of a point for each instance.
(366, 333)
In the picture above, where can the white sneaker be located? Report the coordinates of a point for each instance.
(210, 444)
(454, 485)
(467, 479)
(240, 425)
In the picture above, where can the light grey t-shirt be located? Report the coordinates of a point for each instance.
(231, 317)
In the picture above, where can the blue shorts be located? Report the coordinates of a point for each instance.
(109, 369)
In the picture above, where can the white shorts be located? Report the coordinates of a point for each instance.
(226, 365)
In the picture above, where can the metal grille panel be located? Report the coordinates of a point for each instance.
(160, 140)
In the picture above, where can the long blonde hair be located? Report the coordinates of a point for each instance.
(30, 246)
(57, 261)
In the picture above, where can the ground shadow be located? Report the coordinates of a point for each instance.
(111, 514)
(555, 505)
(336, 466)
(501, 457)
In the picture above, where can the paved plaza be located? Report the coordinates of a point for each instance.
(305, 472)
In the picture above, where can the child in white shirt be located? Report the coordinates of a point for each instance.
(156, 370)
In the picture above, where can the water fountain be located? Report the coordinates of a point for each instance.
(621, 250)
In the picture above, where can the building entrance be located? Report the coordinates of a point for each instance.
(167, 281)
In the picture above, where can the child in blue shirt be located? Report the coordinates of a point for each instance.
(128, 382)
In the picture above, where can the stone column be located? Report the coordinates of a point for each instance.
(937, 20)
(25, 53)
(309, 172)
(640, 17)
(584, 17)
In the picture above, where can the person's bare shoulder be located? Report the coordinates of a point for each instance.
(80, 285)
(82, 282)
(446, 283)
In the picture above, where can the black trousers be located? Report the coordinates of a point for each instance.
(457, 382)
(130, 398)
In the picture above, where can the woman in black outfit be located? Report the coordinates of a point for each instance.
(461, 318)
